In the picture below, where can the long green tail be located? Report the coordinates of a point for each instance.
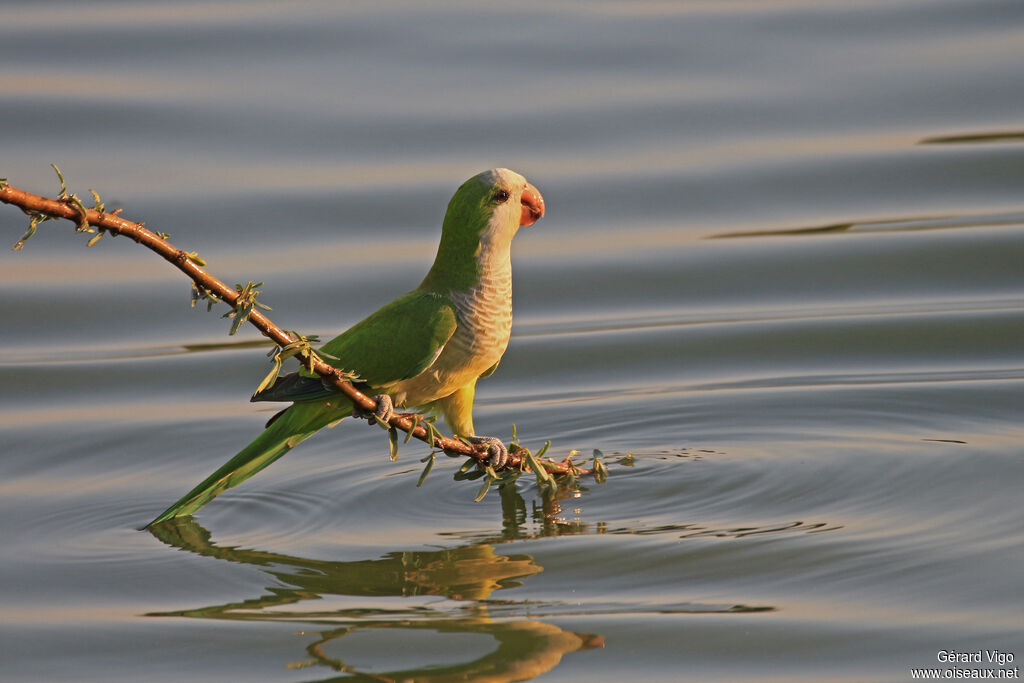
(292, 427)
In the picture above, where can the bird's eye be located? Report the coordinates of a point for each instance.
(501, 196)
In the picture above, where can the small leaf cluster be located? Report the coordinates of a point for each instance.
(203, 294)
(244, 304)
(433, 434)
(302, 348)
(472, 469)
(193, 256)
(72, 200)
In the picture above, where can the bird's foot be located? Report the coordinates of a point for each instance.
(495, 448)
(384, 411)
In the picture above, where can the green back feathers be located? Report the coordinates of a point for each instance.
(397, 342)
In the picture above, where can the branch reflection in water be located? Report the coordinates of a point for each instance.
(468, 574)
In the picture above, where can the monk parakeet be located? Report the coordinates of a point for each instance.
(424, 350)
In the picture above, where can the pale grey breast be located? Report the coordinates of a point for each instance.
(485, 318)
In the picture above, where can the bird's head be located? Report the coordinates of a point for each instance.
(493, 205)
(483, 216)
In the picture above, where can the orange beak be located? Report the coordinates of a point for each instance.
(533, 206)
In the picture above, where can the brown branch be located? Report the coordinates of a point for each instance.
(71, 209)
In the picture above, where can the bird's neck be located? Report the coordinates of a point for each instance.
(492, 289)
(481, 290)
(484, 311)
(461, 265)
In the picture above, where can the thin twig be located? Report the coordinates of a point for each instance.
(72, 210)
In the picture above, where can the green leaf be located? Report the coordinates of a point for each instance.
(95, 238)
(97, 204)
(483, 489)
(240, 318)
(426, 470)
(542, 475)
(83, 221)
(271, 377)
(469, 471)
(543, 449)
(434, 434)
(32, 225)
(63, 185)
(416, 419)
(393, 443)
(203, 294)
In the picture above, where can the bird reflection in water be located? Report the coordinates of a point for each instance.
(467, 574)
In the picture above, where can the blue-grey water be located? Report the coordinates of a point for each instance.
(780, 285)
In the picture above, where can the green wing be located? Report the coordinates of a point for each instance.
(397, 342)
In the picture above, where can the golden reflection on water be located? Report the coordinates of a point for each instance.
(526, 648)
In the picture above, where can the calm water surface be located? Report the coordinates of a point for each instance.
(779, 286)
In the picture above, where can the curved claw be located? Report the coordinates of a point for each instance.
(384, 411)
(497, 450)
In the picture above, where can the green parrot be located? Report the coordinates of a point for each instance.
(424, 350)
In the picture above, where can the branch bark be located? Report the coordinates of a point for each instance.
(111, 222)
